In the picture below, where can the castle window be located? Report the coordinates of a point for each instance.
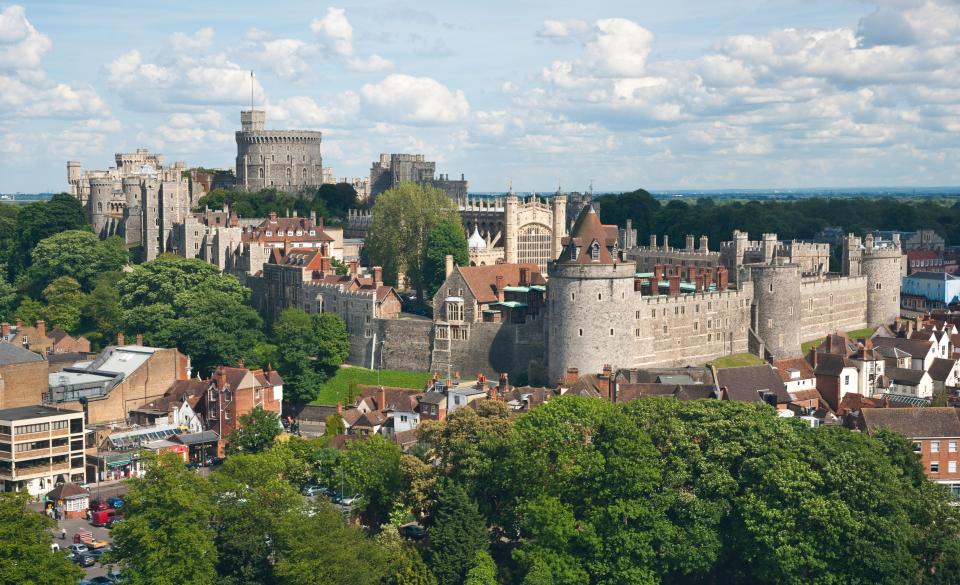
(595, 252)
(99, 206)
(611, 333)
(636, 333)
(696, 308)
(878, 286)
(289, 174)
(709, 337)
(664, 329)
(599, 296)
(790, 311)
(261, 172)
(771, 287)
(696, 326)
(573, 296)
(638, 314)
(581, 332)
(303, 174)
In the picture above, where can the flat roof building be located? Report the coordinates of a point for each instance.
(40, 446)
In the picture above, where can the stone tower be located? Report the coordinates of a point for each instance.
(510, 228)
(288, 160)
(776, 306)
(132, 222)
(101, 197)
(852, 256)
(73, 179)
(591, 309)
(150, 214)
(881, 266)
(558, 205)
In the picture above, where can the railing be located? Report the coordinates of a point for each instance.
(21, 455)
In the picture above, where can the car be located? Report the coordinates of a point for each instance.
(115, 502)
(79, 549)
(192, 465)
(98, 505)
(313, 490)
(85, 560)
(98, 581)
(349, 500)
(212, 461)
(413, 531)
(114, 521)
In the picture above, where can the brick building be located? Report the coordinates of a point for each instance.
(23, 376)
(235, 391)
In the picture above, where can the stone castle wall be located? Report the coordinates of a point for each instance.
(285, 159)
(828, 305)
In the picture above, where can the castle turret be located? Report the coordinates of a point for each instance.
(73, 179)
(150, 214)
(591, 313)
(776, 306)
(558, 207)
(881, 266)
(101, 195)
(510, 229)
(132, 223)
(852, 256)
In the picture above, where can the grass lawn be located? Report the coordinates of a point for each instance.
(335, 389)
(736, 360)
(854, 335)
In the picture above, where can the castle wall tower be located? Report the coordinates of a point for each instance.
(852, 256)
(769, 247)
(132, 221)
(101, 196)
(288, 160)
(591, 309)
(73, 180)
(559, 227)
(150, 222)
(881, 266)
(510, 228)
(776, 307)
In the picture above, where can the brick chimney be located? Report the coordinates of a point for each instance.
(500, 287)
(812, 358)
(674, 281)
(722, 277)
(690, 241)
(698, 283)
(41, 328)
(340, 408)
(657, 275)
(377, 276)
(121, 340)
(447, 265)
(139, 338)
(573, 374)
(524, 276)
(707, 278)
(691, 272)
(5, 329)
(607, 377)
(221, 377)
(504, 385)
(353, 264)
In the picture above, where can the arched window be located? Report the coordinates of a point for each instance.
(99, 207)
(595, 252)
(303, 175)
(261, 172)
(289, 174)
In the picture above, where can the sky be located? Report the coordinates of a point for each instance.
(534, 94)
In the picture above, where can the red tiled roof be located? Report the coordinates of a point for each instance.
(587, 230)
(806, 372)
(482, 280)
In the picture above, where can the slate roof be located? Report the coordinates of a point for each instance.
(67, 491)
(14, 354)
(745, 383)
(914, 347)
(829, 364)
(905, 375)
(892, 352)
(913, 422)
(941, 368)
(402, 399)
(627, 392)
(433, 398)
(197, 438)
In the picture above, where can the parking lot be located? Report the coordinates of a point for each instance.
(72, 526)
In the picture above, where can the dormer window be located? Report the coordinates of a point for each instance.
(595, 251)
(269, 233)
(313, 232)
(574, 251)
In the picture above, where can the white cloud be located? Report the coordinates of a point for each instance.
(335, 34)
(287, 57)
(562, 29)
(21, 45)
(415, 100)
(620, 47)
(198, 41)
(129, 71)
(305, 112)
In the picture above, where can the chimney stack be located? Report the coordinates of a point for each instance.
(722, 278)
(666, 242)
(41, 328)
(377, 276)
(607, 376)
(704, 244)
(354, 266)
(503, 385)
(221, 377)
(573, 374)
(657, 276)
(447, 264)
(674, 281)
(524, 276)
(691, 272)
(340, 408)
(653, 241)
(812, 359)
(500, 287)
(139, 339)
(121, 340)
(5, 330)
(690, 241)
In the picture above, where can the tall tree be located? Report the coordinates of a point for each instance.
(65, 302)
(256, 431)
(483, 571)
(167, 537)
(25, 539)
(446, 238)
(371, 468)
(332, 342)
(338, 198)
(403, 217)
(78, 254)
(310, 349)
(8, 297)
(43, 219)
(457, 534)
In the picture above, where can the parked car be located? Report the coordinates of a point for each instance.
(192, 465)
(79, 549)
(85, 560)
(101, 517)
(97, 552)
(212, 461)
(97, 505)
(313, 490)
(349, 500)
(98, 581)
(115, 502)
(114, 521)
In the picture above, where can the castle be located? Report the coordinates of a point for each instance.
(288, 160)
(140, 199)
(393, 169)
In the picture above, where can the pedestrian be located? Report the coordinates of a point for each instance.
(63, 534)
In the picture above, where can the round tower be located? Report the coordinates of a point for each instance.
(101, 195)
(776, 306)
(881, 266)
(590, 294)
(132, 226)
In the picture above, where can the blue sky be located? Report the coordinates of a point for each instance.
(685, 94)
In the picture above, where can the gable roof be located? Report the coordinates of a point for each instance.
(913, 422)
(905, 376)
(396, 399)
(829, 364)
(941, 368)
(783, 366)
(11, 353)
(482, 280)
(745, 383)
(587, 230)
(916, 348)
(626, 392)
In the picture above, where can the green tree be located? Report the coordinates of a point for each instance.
(78, 254)
(407, 566)
(167, 538)
(457, 534)
(29, 310)
(25, 540)
(65, 302)
(334, 426)
(371, 468)
(102, 308)
(403, 217)
(262, 356)
(338, 198)
(8, 297)
(332, 342)
(256, 431)
(40, 220)
(446, 238)
(483, 571)
(539, 574)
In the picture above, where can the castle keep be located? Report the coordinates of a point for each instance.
(288, 160)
